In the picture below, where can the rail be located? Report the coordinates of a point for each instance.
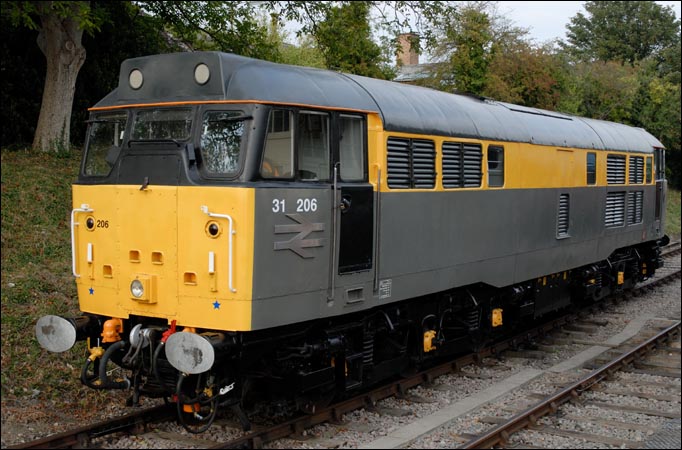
(499, 436)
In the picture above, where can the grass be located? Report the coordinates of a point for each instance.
(36, 275)
(672, 219)
(37, 280)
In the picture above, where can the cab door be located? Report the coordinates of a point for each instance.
(354, 214)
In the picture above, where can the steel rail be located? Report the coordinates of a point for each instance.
(81, 437)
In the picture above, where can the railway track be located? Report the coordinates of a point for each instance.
(81, 437)
(500, 435)
(139, 422)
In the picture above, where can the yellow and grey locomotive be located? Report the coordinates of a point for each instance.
(243, 227)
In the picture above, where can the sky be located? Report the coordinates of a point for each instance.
(548, 20)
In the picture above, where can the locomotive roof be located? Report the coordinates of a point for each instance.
(170, 78)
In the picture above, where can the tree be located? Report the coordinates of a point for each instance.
(465, 51)
(623, 31)
(60, 39)
(224, 26)
(352, 50)
(607, 90)
(524, 75)
(125, 32)
(475, 44)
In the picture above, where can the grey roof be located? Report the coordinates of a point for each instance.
(406, 108)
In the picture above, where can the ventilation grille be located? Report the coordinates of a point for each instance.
(563, 216)
(398, 163)
(411, 164)
(461, 165)
(615, 210)
(635, 207)
(615, 169)
(636, 170)
(423, 164)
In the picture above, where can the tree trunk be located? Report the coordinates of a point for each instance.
(60, 40)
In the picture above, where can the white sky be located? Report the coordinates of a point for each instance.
(547, 20)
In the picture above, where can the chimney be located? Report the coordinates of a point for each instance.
(406, 56)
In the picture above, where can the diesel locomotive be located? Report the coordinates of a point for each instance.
(244, 230)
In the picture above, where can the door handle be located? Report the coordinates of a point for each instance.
(345, 203)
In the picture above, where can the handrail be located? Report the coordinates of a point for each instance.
(335, 206)
(377, 230)
(84, 208)
(205, 210)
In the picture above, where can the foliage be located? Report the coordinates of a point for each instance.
(108, 48)
(26, 13)
(623, 31)
(23, 76)
(481, 52)
(353, 50)
(224, 26)
(305, 53)
(672, 216)
(602, 90)
(524, 75)
(466, 50)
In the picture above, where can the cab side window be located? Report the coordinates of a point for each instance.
(495, 166)
(313, 146)
(351, 148)
(591, 168)
(278, 157)
(296, 146)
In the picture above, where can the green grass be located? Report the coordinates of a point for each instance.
(672, 219)
(37, 280)
(36, 272)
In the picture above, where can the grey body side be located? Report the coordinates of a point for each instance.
(434, 241)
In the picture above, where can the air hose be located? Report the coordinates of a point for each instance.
(180, 403)
(103, 378)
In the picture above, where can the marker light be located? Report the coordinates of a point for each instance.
(135, 79)
(201, 74)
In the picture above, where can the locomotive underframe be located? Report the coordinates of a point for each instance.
(307, 365)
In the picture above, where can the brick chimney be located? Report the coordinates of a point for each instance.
(406, 56)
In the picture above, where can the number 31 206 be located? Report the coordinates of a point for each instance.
(302, 205)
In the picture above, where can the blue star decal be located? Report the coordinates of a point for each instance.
(216, 305)
(92, 291)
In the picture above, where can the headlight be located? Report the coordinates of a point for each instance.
(137, 289)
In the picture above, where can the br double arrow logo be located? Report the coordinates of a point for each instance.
(298, 244)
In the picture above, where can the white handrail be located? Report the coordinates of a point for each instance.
(205, 210)
(84, 208)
